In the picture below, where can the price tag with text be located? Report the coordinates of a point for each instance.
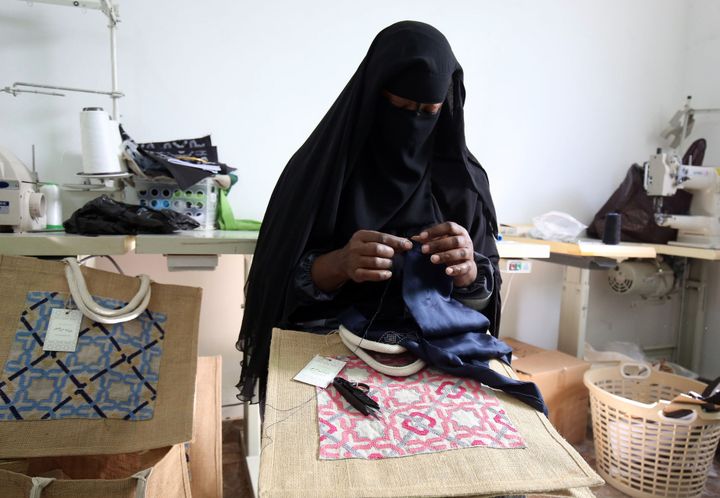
(320, 371)
(63, 330)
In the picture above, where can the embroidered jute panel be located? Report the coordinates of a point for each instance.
(113, 372)
(423, 413)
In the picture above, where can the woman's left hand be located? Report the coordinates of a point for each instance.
(450, 244)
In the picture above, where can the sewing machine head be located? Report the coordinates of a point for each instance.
(664, 175)
(661, 174)
(22, 207)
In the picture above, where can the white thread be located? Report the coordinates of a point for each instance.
(37, 205)
(53, 210)
(100, 138)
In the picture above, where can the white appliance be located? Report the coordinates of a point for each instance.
(641, 278)
(664, 175)
(22, 207)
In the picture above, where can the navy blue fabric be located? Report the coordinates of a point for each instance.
(442, 331)
(427, 292)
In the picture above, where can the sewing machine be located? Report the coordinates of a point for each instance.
(22, 207)
(664, 175)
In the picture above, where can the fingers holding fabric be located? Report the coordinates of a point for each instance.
(440, 230)
(452, 256)
(455, 244)
(371, 249)
(375, 263)
(463, 274)
(399, 244)
(368, 255)
(450, 244)
(366, 275)
(460, 269)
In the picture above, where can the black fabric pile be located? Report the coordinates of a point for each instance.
(105, 216)
(187, 161)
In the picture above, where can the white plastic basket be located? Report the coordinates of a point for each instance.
(639, 450)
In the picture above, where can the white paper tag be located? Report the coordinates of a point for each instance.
(320, 371)
(63, 330)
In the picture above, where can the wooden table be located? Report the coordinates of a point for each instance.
(587, 254)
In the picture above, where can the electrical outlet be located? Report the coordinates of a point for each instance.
(518, 266)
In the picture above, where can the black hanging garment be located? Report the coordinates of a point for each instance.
(370, 166)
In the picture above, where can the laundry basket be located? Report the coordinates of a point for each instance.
(639, 450)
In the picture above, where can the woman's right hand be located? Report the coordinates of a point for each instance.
(367, 257)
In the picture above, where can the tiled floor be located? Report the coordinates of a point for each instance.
(236, 480)
(587, 450)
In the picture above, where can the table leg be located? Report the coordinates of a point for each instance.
(574, 311)
(692, 321)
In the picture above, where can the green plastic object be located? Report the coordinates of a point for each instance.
(226, 219)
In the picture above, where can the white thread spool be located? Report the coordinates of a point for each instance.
(52, 206)
(36, 205)
(100, 139)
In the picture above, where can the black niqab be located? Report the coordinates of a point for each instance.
(390, 187)
(370, 165)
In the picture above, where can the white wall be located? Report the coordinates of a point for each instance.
(702, 81)
(563, 95)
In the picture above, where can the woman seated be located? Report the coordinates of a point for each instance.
(386, 168)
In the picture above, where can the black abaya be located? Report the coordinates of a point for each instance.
(343, 179)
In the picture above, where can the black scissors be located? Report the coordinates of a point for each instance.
(356, 394)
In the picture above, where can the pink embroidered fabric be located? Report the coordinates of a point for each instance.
(424, 413)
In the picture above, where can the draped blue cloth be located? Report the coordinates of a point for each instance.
(442, 331)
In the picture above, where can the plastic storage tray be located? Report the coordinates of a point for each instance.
(199, 201)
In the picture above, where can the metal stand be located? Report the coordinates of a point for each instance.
(110, 11)
(692, 319)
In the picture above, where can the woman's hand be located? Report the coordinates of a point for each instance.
(367, 257)
(450, 244)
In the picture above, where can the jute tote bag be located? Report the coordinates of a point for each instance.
(129, 388)
(159, 473)
(290, 467)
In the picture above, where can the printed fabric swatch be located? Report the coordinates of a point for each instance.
(423, 413)
(113, 372)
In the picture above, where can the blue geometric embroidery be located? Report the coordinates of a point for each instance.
(112, 374)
